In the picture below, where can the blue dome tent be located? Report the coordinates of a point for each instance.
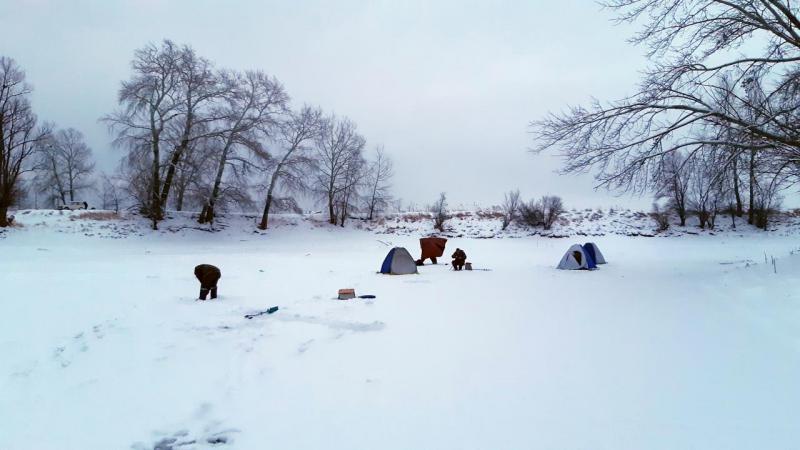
(577, 258)
(399, 262)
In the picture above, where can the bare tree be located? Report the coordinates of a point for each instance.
(65, 164)
(728, 198)
(189, 184)
(200, 88)
(49, 177)
(510, 208)
(705, 186)
(290, 166)
(19, 133)
(703, 52)
(110, 195)
(134, 171)
(339, 150)
(671, 180)
(660, 217)
(552, 208)
(348, 194)
(440, 213)
(252, 105)
(769, 182)
(151, 103)
(378, 174)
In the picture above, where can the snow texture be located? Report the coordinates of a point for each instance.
(677, 343)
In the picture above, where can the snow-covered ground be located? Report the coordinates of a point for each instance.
(687, 342)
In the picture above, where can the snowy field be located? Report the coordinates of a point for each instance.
(687, 342)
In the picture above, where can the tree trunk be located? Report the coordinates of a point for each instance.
(208, 210)
(372, 199)
(170, 175)
(179, 200)
(173, 165)
(739, 207)
(343, 215)
(4, 216)
(272, 183)
(752, 210)
(265, 216)
(206, 214)
(155, 206)
(61, 193)
(331, 212)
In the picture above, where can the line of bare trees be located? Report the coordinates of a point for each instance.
(713, 125)
(198, 136)
(20, 134)
(63, 167)
(38, 161)
(194, 136)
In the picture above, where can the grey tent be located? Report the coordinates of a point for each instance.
(594, 252)
(399, 262)
(576, 258)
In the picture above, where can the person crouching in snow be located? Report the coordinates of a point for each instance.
(459, 258)
(208, 276)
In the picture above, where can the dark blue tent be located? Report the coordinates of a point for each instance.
(590, 261)
(593, 251)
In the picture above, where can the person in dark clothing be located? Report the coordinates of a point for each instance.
(208, 276)
(459, 258)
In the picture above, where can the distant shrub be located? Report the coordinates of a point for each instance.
(767, 203)
(660, 217)
(541, 213)
(530, 214)
(439, 211)
(510, 208)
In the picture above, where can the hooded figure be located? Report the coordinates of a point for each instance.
(208, 276)
(459, 258)
(432, 247)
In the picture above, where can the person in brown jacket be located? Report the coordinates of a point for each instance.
(459, 258)
(208, 276)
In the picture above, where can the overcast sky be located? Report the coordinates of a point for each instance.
(448, 87)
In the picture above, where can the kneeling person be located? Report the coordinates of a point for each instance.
(208, 276)
(459, 259)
